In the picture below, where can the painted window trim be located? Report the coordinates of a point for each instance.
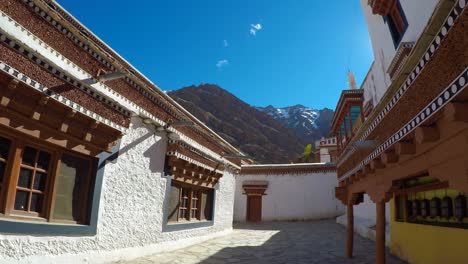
(396, 42)
(180, 226)
(16, 227)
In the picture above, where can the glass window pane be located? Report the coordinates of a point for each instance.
(72, 178)
(21, 201)
(2, 171)
(173, 203)
(206, 205)
(43, 161)
(4, 148)
(184, 197)
(29, 156)
(40, 181)
(25, 177)
(36, 203)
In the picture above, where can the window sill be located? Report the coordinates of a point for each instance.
(41, 228)
(185, 225)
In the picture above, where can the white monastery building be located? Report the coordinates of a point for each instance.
(97, 163)
(289, 192)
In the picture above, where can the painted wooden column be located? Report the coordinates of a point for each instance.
(380, 233)
(350, 231)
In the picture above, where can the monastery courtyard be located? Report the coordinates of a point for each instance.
(274, 243)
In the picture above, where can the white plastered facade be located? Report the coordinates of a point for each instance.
(292, 197)
(131, 213)
(417, 15)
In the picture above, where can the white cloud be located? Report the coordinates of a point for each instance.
(254, 28)
(257, 26)
(222, 63)
(226, 44)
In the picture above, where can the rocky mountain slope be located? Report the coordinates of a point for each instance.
(252, 131)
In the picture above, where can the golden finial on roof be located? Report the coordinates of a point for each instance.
(351, 80)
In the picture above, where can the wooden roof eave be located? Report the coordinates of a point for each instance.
(346, 95)
(120, 63)
(73, 129)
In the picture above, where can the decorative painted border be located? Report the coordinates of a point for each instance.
(33, 56)
(199, 164)
(435, 44)
(287, 169)
(458, 85)
(93, 52)
(130, 106)
(194, 150)
(41, 88)
(105, 49)
(399, 59)
(449, 22)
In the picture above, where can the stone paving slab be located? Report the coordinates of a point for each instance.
(274, 243)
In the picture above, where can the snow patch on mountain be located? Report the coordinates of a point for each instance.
(294, 116)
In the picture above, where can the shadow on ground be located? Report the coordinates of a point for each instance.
(273, 243)
(294, 242)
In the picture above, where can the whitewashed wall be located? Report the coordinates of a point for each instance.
(418, 13)
(325, 155)
(292, 197)
(131, 211)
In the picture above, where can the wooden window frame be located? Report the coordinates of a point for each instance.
(195, 199)
(13, 188)
(401, 197)
(190, 202)
(397, 23)
(11, 176)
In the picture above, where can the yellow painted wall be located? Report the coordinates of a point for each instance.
(425, 244)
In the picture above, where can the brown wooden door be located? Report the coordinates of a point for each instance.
(254, 208)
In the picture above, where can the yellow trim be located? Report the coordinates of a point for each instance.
(426, 244)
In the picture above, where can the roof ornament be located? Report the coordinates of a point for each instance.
(351, 80)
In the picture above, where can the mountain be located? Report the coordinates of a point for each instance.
(252, 131)
(309, 124)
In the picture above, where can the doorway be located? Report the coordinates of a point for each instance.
(254, 208)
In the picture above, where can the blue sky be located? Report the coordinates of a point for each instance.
(263, 51)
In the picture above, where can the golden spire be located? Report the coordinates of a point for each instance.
(351, 80)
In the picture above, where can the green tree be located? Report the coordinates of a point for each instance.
(307, 151)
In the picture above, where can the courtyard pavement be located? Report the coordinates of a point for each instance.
(274, 243)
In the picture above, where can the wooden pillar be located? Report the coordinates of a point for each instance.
(350, 231)
(380, 233)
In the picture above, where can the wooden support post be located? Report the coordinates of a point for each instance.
(350, 231)
(380, 233)
(426, 134)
